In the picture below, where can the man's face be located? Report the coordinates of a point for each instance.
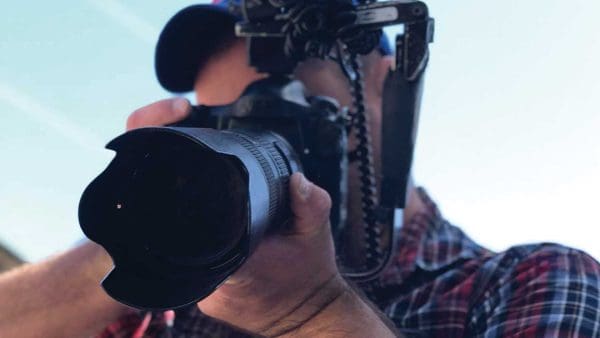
(226, 74)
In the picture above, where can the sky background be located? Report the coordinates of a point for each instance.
(509, 141)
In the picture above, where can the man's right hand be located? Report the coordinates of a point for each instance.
(291, 284)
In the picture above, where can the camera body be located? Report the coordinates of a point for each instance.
(314, 127)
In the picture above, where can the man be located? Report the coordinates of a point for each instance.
(440, 283)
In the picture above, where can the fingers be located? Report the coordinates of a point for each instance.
(159, 113)
(310, 205)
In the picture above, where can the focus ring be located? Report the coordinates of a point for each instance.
(274, 168)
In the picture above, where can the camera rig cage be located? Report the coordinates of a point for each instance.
(281, 33)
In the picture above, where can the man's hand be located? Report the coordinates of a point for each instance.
(159, 113)
(291, 284)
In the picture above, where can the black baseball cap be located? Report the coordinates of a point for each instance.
(192, 35)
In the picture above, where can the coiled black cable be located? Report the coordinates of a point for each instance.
(311, 30)
(364, 157)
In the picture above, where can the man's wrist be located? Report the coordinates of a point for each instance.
(93, 263)
(334, 311)
(308, 308)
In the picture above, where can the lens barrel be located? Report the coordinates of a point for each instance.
(180, 209)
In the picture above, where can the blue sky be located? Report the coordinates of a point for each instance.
(509, 143)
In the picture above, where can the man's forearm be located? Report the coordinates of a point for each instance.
(60, 297)
(347, 316)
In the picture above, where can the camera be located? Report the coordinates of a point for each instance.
(180, 208)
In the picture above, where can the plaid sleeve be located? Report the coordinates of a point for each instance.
(442, 284)
(552, 291)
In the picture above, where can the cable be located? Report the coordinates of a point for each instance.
(364, 156)
(306, 35)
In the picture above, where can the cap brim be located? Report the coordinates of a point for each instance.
(187, 40)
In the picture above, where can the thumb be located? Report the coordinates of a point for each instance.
(310, 205)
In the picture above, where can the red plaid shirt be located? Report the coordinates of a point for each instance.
(442, 284)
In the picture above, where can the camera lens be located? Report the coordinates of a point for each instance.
(180, 209)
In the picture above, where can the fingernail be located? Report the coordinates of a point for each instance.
(181, 106)
(304, 188)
